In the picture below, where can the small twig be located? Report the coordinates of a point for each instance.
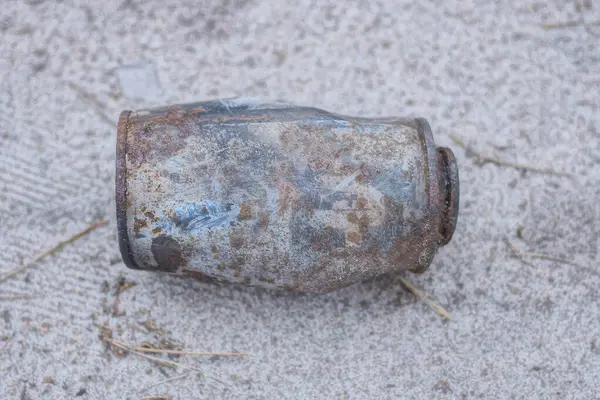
(516, 252)
(562, 25)
(541, 256)
(150, 325)
(11, 298)
(161, 361)
(174, 378)
(54, 249)
(188, 353)
(487, 159)
(420, 295)
(122, 286)
(168, 397)
(548, 257)
(460, 143)
(571, 24)
(93, 102)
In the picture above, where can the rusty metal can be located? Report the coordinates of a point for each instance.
(280, 196)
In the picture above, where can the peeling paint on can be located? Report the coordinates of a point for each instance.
(280, 196)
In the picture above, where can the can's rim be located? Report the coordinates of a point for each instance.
(449, 185)
(121, 190)
(443, 184)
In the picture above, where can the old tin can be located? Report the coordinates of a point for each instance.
(280, 196)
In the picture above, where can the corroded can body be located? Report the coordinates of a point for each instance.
(280, 196)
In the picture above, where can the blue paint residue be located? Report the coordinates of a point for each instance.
(207, 214)
(397, 189)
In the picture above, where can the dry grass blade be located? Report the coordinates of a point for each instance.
(175, 378)
(168, 397)
(516, 252)
(548, 257)
(420, 295)
(93, 102)
(11, 298)
(563, 25)
(161, 361)
(122, 286)
(542, 256)
(53, 250)
(571, 24)
(187, 352)
(498, 161)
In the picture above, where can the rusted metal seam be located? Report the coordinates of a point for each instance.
(121, 191)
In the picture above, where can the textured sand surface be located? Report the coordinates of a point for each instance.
(516, 80)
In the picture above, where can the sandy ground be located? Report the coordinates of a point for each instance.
(516, 80)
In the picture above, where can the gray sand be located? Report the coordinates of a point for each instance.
(507, 79)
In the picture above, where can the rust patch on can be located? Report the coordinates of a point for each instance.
(138, 224)
(286, 197)
(354, 237)
(236, 240)
(361, 203)
(363, 223)
(264, 221)
(352, 218)
(245, 211)
(214, 251)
